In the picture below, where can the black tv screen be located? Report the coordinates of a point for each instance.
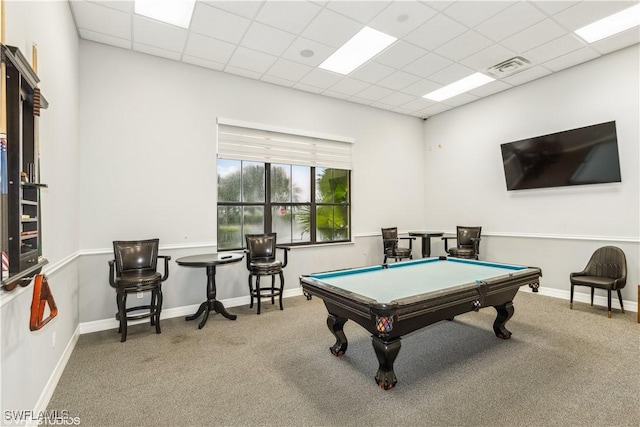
(587, 155)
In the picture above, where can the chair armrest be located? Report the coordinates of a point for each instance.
(112, 270)
(446, 241)
(286, 252)
(410, 239)
(166, 258)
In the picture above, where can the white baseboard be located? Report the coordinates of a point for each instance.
(169, 313)
(586, 298)
(47, 392)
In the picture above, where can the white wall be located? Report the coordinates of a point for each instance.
(29, 362)
(556, 229)
(148, 159)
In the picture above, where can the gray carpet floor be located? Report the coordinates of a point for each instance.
(562, 367)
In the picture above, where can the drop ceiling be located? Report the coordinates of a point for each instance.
(439, 42)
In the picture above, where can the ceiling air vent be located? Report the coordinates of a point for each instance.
(508, 67)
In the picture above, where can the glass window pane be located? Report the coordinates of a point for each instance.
(291, 223)
(332, 223)
(229, 227)
(281, 183)
(332, 185)
(253, 220)
(228, 180)
(301, 184)
(252, 182)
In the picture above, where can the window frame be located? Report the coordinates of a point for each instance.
(267, 206)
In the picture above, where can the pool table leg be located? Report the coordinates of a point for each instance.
(336, 324)
(386, 352)
(505, 311)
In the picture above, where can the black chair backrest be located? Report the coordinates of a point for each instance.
(261, 247)
(465, 235)
(136, 255)
(608, 261)
(390, 238)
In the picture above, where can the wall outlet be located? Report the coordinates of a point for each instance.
(53, 339)
(140, 295)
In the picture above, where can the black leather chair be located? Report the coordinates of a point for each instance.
(262, 261)
(390, 246)
(467, 242)
(134, 270)
(607, 269)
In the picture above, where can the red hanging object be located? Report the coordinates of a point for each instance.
(41, 297)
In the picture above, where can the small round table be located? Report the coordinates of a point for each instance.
(210, 261)
(426, 240)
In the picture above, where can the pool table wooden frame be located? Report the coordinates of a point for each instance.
(388, 321)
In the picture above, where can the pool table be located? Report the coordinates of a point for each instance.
(392, 300)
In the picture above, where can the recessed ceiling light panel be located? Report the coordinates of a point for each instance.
(174, 12)
(366, 44)
(614, 24)
(456, 88)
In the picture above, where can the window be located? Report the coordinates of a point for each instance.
(304, 203)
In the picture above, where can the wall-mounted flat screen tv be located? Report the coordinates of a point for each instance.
(587, 155)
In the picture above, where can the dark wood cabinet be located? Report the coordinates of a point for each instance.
(20, 106)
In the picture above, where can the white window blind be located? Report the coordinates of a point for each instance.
(262, 143)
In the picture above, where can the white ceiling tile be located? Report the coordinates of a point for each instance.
(427, 65)
(242, 72)
(527, 75)
(100, 19)
(292, 16)
(331, 29)
(320, 52)
(333, 94)
(104, 39)
(360, 100)
(451, 74)
(397, 99)
(349, 86)
(510, 21)
(488, 57)
(209, 49)
(463, 46)
(402, 17)
(436, 32)
(307, 88)
(418, 104)
(472, 13)
(277, 81)
(154, 33)
(218, 24)
(553, 49)
(372, 72)
(398, 80)
(586, 12)
(463, 98)
(422, 87)
(121, 5)
(435, 109)
(267, 39)
(374, 93)
(245, 8)
(202, 62)
(251, 60)
(440, 5)
(321, 78)
(288, 70)
(619, 41)
(400, 54)
(533, 36)
(490, 88)
(156, 51)
(569, 60)
(361, 11)
(551, 7)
